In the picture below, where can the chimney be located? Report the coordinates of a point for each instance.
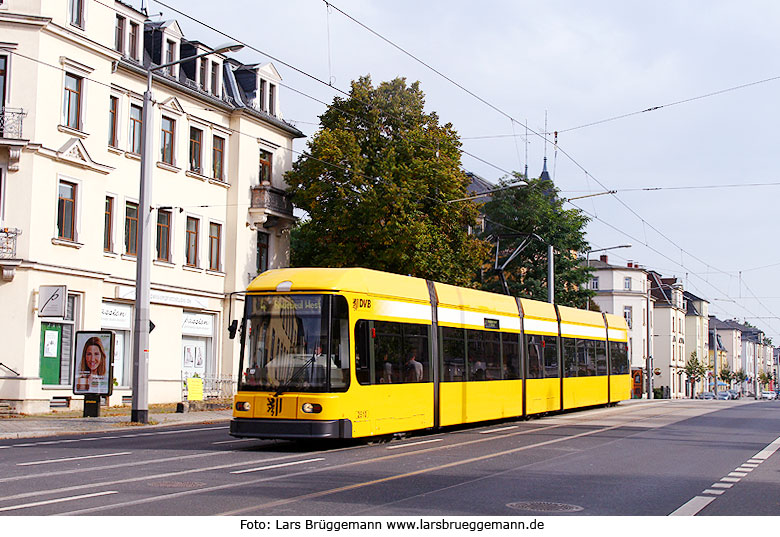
(630, 264)
(604, 258)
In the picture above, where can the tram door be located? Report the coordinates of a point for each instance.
(393, 369)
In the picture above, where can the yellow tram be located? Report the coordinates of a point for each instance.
(349, 353)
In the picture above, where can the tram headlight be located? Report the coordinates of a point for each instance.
(311, 408)
(243, 406)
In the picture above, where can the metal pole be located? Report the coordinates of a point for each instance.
(649, 359)
(715, 361)
(140, 404)
(550, 275)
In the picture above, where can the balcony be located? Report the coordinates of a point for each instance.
(11, 135)
(270, 207)
(8, 259)
(11, 123)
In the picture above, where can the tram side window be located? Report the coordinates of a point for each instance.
(550, 346)
(453, 345)
(586, 359)
(569, 357)
(484, 355)
(510, 347)
(601, 357)
(535, 357)
(391, 353)
(618, 354)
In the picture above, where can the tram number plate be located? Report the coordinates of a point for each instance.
(362, 414)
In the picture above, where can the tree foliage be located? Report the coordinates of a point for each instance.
(535, 208)
(375, 182)
(695, 370)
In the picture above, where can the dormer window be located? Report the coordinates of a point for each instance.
(272, 99)
(203, 74)
(170, 56)
(134, 27)
(215, 78)
(261, 95)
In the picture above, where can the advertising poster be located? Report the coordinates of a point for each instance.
(94, 371)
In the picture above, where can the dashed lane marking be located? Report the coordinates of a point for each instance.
(50, 461)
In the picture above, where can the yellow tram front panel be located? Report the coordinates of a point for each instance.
(619, 385)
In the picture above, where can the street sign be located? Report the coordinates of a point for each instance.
(52, 300)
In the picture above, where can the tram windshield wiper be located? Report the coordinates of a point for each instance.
(297, 373)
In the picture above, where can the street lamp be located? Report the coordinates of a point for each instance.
(140, 405)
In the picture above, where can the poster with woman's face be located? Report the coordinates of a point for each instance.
(93, 365)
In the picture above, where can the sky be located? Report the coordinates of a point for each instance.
(659, 67)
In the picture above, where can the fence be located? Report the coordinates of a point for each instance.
(219, 387)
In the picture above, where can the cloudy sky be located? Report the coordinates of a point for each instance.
(709, 154)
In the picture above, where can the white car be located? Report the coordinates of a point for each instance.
(768, 395)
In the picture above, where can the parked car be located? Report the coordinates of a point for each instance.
(768, 395)
(724, 396)
(705, 395)
(734, 394)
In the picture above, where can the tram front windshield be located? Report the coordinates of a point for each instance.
(296, 343)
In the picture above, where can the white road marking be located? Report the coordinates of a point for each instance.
(415, 443)
(743, 469)
(91, 439)
(749, 465)
(711, 491)
(58, 500)
(737, 474)
(731, 479)
(722, 485)
(50, 461)
(693, 506)
(768, 451)
(260, 468)
(755, 461)
(498, 430)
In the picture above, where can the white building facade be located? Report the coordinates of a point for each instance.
(697, 334)
(622, 290)
(72, 78)
(668, 347)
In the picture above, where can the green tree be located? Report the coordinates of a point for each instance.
(764, 379)
(695, 370)
(535, 208)
(726, 375)
(375, 182)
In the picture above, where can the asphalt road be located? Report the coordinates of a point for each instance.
(642, 458)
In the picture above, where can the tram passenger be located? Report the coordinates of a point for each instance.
(387, 370)
(413, 370)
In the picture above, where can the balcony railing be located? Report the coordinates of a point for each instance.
(272, 199)
(8, 242)
(11, 122)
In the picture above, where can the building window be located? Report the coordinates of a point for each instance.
(131, 228)
(136, 124)
(627, 284)
(108, 227)
(272, 99)
(66, 211)
(119, 37)
(71, 109)
(113, 106)
(261, 96)
(215, 245)
(204, 63)
(594, 283)
(628, 313)
(262, 251)
(77, 13)
(170, 56)
(215, 78)
(3, 77)
(163, 235)
(218, 158)
(168, 131)
(192, 241)
(134, 40)
(196, 144)
(265, 166)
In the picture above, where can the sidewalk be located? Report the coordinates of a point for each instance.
(53, 424)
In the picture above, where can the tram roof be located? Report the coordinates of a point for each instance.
(359, 280)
